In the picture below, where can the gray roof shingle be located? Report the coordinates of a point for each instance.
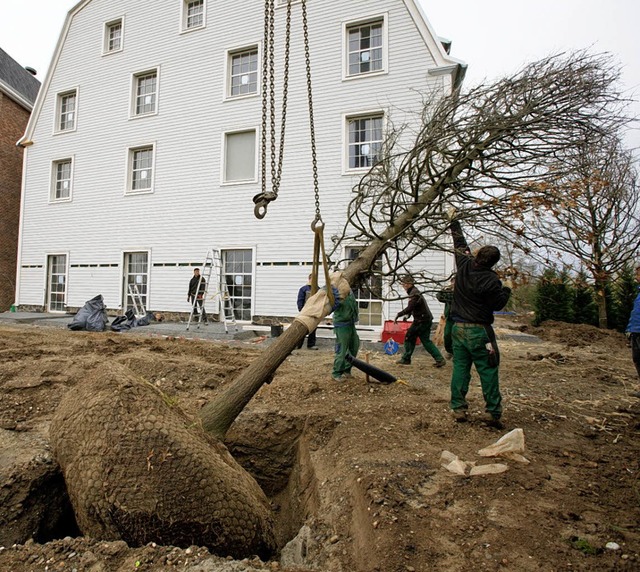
(18, 78)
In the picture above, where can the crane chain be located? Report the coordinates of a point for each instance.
(314, 157)
(263, 198)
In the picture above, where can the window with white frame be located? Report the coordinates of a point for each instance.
(243, 76)
(240, 156)
(145, 93)
(193, 15)
(67, 107)
(365, 47)
(365, 136)
(113, 36)
(141, 169)
(61, 177)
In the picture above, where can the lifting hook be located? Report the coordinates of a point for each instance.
(262, 201)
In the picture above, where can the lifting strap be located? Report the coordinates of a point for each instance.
(317, 226)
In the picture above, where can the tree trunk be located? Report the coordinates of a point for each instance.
(218, 415)
(601, 301)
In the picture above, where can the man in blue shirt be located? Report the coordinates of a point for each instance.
(303, 295)
(633, 328)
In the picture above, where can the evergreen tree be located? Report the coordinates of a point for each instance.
(585, 309)
(554, 297)
(625, 291)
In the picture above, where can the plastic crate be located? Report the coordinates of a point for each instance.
(395, 331)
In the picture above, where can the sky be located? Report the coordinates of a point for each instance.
(494, 37)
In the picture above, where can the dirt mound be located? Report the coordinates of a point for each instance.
(576, 335)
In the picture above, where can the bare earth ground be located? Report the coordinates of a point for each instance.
(371, 492)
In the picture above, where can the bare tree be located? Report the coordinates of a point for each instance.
(590, 216)
(479, 150)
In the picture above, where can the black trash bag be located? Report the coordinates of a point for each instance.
(129, 320)
(91, 317)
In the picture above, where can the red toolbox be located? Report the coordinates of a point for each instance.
(395, 331)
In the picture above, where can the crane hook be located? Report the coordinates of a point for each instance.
(262, 200)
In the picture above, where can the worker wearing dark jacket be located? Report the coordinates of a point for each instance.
(477, 294)
(421, 326)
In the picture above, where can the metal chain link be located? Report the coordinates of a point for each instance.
(269, 108)
(314, 159)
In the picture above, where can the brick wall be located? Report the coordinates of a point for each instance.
(13, 120)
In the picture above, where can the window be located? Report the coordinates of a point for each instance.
(243, 79)
(145, 95)
(365, 48)
(61, 180)
(141, 169)
(365, 140)
(67, 103)
(238, 273)
(113, 36)
(240, 156)
(193, 14)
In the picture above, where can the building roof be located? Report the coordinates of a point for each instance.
(17, 82)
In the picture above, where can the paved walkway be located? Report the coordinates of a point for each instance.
(248, 333)
(212, 331)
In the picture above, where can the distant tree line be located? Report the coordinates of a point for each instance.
(564, 297)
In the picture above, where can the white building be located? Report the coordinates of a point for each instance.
(143, 149)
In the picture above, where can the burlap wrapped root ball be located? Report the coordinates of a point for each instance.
(138, 469)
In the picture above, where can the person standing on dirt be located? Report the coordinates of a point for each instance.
(633, 329)
(477, 294)
(345, 318)
(195, 294)
(303, 295)
(420, 327)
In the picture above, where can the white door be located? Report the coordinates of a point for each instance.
(368, 293)
(56, 282)
(135, 280)
(237, 270)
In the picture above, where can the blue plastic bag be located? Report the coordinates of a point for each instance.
(391, 347)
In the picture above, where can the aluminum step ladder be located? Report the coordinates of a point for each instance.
(138, 303)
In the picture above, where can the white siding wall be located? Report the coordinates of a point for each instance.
(189, 210)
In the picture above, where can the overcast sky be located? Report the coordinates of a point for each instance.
(494, 37)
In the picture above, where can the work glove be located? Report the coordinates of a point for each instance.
(508, 283)
(451, 213)
(628, 336)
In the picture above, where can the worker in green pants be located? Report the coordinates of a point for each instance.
(345, 318)
(421, 326)
(478, 293)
